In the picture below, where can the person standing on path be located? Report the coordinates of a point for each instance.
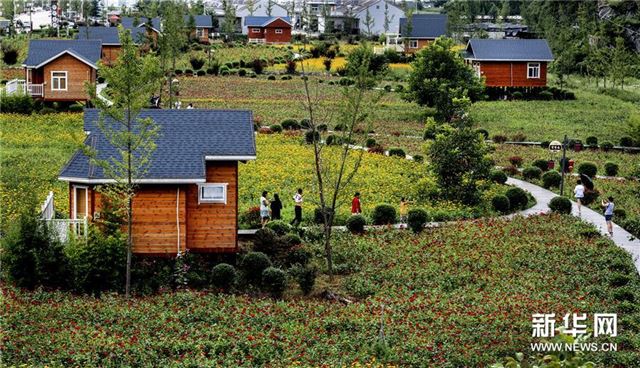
(608, 206)
(355, 204)
(578, 193)
(404, 211)
(264, 209)
(297, 199)
(276, 206)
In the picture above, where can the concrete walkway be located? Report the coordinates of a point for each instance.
(621, 237)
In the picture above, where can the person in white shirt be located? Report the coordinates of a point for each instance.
(608, 206)
(264, 209)
(190, 106)
(578, 192)
(298, 199)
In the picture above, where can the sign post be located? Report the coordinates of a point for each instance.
(556, 146)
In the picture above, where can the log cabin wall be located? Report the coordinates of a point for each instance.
(110, 53)
(511, 74)
(77, 74)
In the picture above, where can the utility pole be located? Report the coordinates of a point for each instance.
(563, 163)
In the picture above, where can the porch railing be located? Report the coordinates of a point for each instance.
(35, 89)
(257, 40)
(15, 86)
(48, 211)
(62, 228)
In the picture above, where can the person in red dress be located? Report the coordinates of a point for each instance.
(355, 204)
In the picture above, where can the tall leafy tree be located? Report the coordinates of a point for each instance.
(229, 25)
(8, 11)
(388, 18)
(172, 40)
(269, 9)
(130, 82)
(369, 22)
(251, 6)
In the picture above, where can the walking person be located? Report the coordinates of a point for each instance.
(355, 204)
(404, 211)
(608, 206)
(297, 199)
(276, 207)
(578, 193)
(264, 208)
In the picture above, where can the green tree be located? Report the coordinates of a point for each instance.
(369, 23)
(363, 54)
(171, 41)
(197, 7)
(622, 62)
(251, 6)
(439, 75)
(229, 25)
(191, 27)
(95, 8)
(269, 9)
(8, 11)
(130, 82)
(388, 18)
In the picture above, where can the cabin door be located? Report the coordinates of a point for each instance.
(80, 202)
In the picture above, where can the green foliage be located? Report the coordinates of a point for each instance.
(305, 276)
(606, 146)
(290, 124)
(551, 179)
(223, 276)
(439, 75)
(498, 176)
(363, 58)
(252, 265)
(591, 141)
(588, 168)
(274, 280)
(383, 214)
(561, 205)
(517, 198)
(611, 169)
(532, 172)
(356, 224)
(276, 128)
(17, 103)
(501, 204)
(541, 164)
(397, 152)
(279, 227)
(266, 241)
(196, 63)
(416, 219)
(311, 135)
(627, 141)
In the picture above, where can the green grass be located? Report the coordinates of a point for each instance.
(461, 295)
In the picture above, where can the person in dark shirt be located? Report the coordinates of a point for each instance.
(276, 207)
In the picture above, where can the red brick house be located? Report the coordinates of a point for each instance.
(188, 198)
(510, 62)
(271, 30)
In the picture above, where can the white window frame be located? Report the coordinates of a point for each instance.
(412, 43)
(255, 30)
(476, 68)
(75, 200)
(278, 30)
(58, 78)
(199, 32)
(222, 200)
(533, 67)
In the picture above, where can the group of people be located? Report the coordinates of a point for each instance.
(606, 204)
(272, 208)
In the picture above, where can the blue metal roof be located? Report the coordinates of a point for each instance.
(108, 35)
(186, 137)
(509, 50)
(127, 22)
(43, 50)
(262, 21)
(202, 21)
(425, 26)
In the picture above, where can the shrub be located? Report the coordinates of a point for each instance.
(517, 198)
(271, 77)
(321, 127)
(214, 70)
(266, 241)
(298, 255)
(76, 108)
(291, 67)
(196, 63)
(188, 72)
(242, 72)
(606, 146)
(560, 205)
(484, 132)
(223, 276)
(501, 204)
(416, 219)
(318, 215)
(619, 213)
(588, 168)
(257, 66)
(201, 73)
(290, 124)
(279, 227)
(499, 138)
(17, 104)
(541, 164)
(331, 140)
(399, 88)
(632, 225)
(591, 141)
(178, 72)
(311, 136)
(276, 128)
(274, 280)
(517, 95)
(532, 172)
(545, 144)
(377, 149)
(498, 176)
(47, 110)
(511, 170)
(356, 224)
(253, 263)
(626, 141)
(611, 169)
(291, 239)
(306, 278)
(9, 55)
(383, 214)
(546, 95)
(370, 142)
(340, 127)
(397, 152)
(418, 158)
(515, 161)
(519, 137)
(551, 179)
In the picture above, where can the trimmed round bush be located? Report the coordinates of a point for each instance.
(279, 227)
(515, 161)
(253, 263)
(484, 132)
(292, 239)
(588, 168)
(501, 204)
(276, 128)
(290, 124)
(356, 224)
(188, 71)
(498, 176)
(274, 280)
(311, 136)
(340, 127)
(304, 123)
(397, 152)
(626, 141)
(546, 96)
(517, 95)
(306, 278)
(298, 255)
(418, 158)
(416, 219)
(201, 73)
(223, 276)
(560, 205)
(551, 179)
(541, 164)
(318, 216)
(242, 72)
(76, 108)
(265, 240)
(532, 172)
(611, 169)
(271, 77)
(383, 214)
(517, 198)
(606, 146)
(499, 138)
(322, 127)
(591, 141)
(331, 139)
(370, 142)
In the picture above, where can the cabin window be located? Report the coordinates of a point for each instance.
(255, 30)
(80, 202)
(212, 193)
(476, 68)
(278, 31)
(533, 70)
(199, 32)
(58, 81)
(413, 44)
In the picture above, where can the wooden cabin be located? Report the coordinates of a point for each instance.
(188, 200)
(510, 62)
(204, 28)
(110, 38)
(422, 30)
(57, 70)
(269, 30)
(153, 27)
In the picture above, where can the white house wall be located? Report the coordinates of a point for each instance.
(260, 10)
(376, 11)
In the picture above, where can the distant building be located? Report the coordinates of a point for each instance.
(270, 30)
(422, 30)
(260, 9)
(377, 9)
(110, 39)
(204, 27)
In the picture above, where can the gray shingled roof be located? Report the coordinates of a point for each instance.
(202, 21)
(127, 22)
(508, 50)
(425, 26)
(40, 51)
(262, 21)
(186, 137)
(108, 35)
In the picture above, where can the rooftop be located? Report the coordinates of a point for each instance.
(43, 51)
(509, 50)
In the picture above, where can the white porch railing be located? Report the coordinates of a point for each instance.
(257, 40)
(48, 211)
(61, 228)
(381, 49)
(35, 89)
(15, 86)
